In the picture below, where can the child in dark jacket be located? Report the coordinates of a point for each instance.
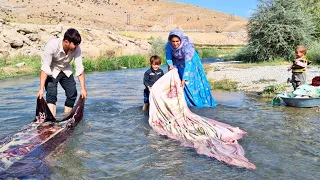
(150, 77)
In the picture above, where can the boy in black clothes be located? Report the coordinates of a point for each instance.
(150, 77)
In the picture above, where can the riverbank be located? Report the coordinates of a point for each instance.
(223, 75)
(29, 65)
(253, 77)
(23, 66)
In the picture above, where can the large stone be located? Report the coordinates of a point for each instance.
(52, 29)
(34, 37)
(21, 64)
(27, 28)
(29, 51)
(113, 38)
(96, 42)
(4, 46)
(13, 38)
(4, 53)
(90, 38)
(44, 38)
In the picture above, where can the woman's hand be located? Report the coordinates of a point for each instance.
(171, 67)
(183, 82)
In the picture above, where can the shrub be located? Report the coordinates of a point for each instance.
(158, 48)
(276, 27)
(271, 91)
(313, 52)
(208, 53)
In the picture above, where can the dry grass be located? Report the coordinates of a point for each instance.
(126, 34)
(264, 81)
(271, 91)
(224, 84)
(207, 68)
(251, 65)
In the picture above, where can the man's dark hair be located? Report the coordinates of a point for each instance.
(72, 35)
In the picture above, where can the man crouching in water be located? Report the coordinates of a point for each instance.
(58, 54)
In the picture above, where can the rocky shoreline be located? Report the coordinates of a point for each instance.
(29, 40)
(256, 78)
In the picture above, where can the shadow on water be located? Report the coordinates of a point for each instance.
(115, 140)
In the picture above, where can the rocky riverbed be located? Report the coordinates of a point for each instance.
(255, 78)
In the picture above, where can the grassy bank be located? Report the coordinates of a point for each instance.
(103, 64)
(9, 68)
(224, 84)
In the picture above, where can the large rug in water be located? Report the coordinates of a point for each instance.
(169, 115)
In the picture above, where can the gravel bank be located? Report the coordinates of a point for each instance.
(255, 78)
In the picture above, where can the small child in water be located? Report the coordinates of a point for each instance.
(150, 77)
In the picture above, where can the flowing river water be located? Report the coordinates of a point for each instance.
(115, 141)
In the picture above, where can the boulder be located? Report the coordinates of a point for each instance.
(52, 29)
(44, 38)
(2, 21)
(113, 38)
(34, 37)
(13, 38)
(4, 53)
(90, 38)
(27, 28)
(20, 64)
(28, 51)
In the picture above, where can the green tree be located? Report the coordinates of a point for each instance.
(276, 27)
(313, 8)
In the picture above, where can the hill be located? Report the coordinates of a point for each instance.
(119, 27)
(134, 15)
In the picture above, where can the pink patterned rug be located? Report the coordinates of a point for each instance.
(169, 115)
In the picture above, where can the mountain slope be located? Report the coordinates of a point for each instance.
(152, 15)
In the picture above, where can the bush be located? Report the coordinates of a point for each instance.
(313, 8)
(158, 48)
(133, 61)
(2, 62)
(271, 91)
(313, 52)
(208, 53)
(245, 54)
(100, 64)
(276, 27)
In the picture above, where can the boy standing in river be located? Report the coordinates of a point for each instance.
(299, 67)
(150, 77)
